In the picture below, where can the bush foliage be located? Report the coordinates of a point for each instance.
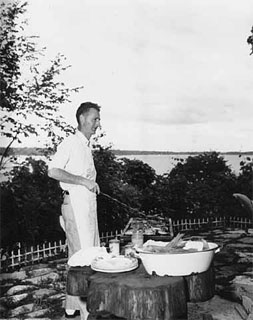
(200, 186)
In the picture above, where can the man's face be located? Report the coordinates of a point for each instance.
(90, 121)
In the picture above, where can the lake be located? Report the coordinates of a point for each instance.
(160, 163)
(165, 162)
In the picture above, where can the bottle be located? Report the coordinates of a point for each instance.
(129, 249)
(114, 247)
(137, 236)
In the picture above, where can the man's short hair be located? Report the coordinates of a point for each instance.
(85, 107)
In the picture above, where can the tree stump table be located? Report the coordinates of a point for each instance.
(77, 281)
(138, 295)
(200, 286)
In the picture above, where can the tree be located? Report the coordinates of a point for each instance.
(250, 41)
(30, 205)
(30, 96)
(202, 186)
(113, 215)
(245, 179)
(137, 173)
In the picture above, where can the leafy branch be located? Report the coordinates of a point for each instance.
(250, 41)
(30, 96)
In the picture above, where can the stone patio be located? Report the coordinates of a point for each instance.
(37, 292)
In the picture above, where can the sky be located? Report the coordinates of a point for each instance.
(170, 75)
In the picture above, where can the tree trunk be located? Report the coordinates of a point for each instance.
(137, 296)
(77, 281)
(200, 286)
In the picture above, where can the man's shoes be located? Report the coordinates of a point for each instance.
(70, 314)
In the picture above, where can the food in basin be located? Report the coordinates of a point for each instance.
(179, 259)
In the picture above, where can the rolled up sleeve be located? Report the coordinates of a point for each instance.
(61, 157)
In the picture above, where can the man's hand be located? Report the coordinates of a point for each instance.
(92, 186)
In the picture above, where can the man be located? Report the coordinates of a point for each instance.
(73, 166)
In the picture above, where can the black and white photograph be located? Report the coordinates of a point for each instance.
(126, 165)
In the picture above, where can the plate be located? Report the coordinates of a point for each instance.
(115, 270)
(114, 264)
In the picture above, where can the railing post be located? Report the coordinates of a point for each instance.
(44, 250)
(12, 259)
(171, 228)
(19, 253)
(32, 250)
(38, 252)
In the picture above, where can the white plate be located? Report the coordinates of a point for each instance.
(115, 270)
(114, 264)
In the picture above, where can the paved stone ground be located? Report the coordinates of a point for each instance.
(38, 291)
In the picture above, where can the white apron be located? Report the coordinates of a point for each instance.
(83, 201)
(84, 204)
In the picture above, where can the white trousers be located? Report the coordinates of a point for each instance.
(77, 241)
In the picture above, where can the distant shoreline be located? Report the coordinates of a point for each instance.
(134, 152)
(117, 152)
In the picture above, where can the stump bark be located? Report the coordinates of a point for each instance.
(200, 286)
(138, 297)
(77, 281)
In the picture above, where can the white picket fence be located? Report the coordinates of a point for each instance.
(25, 255)
(216, 222)
(28, 255)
